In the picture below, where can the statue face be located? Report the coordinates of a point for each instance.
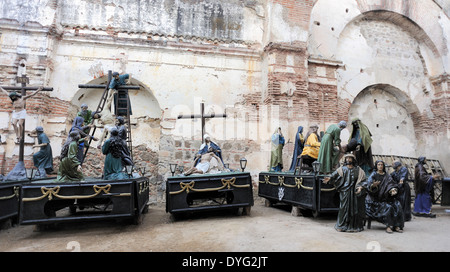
(349, 160)
(380, 166)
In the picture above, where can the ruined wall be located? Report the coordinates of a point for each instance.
(266, 63)
(391, 53)
(179, 52)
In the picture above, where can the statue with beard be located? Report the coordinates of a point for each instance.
(350, 182)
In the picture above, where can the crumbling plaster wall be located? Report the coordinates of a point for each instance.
(401, 45)
(179, 52)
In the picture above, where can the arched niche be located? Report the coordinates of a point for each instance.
(424, 20)
(146, 115)
(389, 114)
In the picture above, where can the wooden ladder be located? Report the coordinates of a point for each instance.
(100, 107)
(122, 108)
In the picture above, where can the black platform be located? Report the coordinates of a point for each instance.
(9, 200)
(47, 201)
(305, 191)
(207, 192)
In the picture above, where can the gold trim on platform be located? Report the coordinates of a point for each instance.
(225, 182)
(15, 194)
(54, 192)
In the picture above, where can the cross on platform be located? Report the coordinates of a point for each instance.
(23, 80)
(202, 116)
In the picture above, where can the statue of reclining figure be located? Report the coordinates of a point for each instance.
(209, 163)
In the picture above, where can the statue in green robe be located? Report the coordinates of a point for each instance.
(70, 167)
(350, 182)
(330, 147)
(43, 159)
(114, 148)
(86, 114)
(362, 141)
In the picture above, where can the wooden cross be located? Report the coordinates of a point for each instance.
(105, 87)
(202, 116)
(24, 80)
(102, 102)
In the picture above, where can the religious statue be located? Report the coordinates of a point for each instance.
(298, 147)
(204, 165)
(86, 114)
(121, 126)
(423, 186)
(350, 182)
(70, 167)
(116, 81)
(401, 176)
(77, 126)
(115, 150)
(43, 159)
(382, 202)
(105, 119)
(312, 146)
(276, 153)
(360, 142)
(330, 147)
(19, 113)
(205, 147)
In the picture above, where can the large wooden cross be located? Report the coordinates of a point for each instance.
(24, 80)
(105, 87)
(202, 116)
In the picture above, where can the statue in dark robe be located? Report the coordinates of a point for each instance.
(350, 182)
(70, 166)
(120, 125)
(401, 177)
(43, 159)
(382, 203)
(114, 149)
(423, 187)
(360, 143)
(298, 147)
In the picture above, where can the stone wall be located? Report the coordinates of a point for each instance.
(267, 64)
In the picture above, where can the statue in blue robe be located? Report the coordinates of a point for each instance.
(113, 148)
(116, 81)
(298, 148)
(423, 187)
(43, 159)
(206, 146)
